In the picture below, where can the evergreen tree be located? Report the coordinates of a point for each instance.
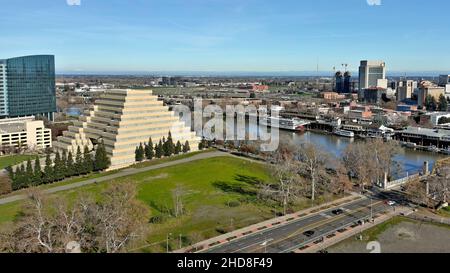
(101, 160)
(37, 172)
(149, 151)
(17, 181)
(159, 149)
(139, 153)
(29, 173)
(64, 163)
(200, 145)
(170, 146)
(430, 103)
(443, 104)
(88, 162)
(164, 147)
(11, 173)
(48, 170)
(21, 178)
(79, 166)
(186, 147)
(70, 165)
(57, 168)
(178, 148)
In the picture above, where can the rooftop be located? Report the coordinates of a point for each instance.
(428, 132)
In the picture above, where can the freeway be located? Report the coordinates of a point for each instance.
(290, 236)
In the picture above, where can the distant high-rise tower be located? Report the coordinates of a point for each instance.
(372, 74)
(339, 88)
(27, 86)
(347, 82)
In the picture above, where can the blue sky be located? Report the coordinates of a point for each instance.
(228, 35)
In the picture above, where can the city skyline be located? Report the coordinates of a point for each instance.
(259, 37)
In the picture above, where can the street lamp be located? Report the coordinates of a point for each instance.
(167, 243)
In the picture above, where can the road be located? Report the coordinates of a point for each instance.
(289, 237)
(120, 174)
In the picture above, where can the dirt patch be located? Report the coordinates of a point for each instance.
(405, 237)
(151, 178)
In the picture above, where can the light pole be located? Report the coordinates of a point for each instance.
(371, 210)
(167, 243)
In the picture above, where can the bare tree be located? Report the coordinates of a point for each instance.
(439, 185)
(108, 225)
(177, 196)
(313, 163)
(369, 161)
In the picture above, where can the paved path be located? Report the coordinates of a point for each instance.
(122, 173)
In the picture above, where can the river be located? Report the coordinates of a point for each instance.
(411, 161)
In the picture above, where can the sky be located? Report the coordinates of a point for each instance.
(89, 36)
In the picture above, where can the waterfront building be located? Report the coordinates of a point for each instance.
(27, 87)
(425, 137)
(371, 95)
(405, 90)
(372, 74)
(429, 89)
(434, 117)
(25, 132)
(123, 119)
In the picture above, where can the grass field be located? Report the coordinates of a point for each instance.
(209, 186)
(12, 160)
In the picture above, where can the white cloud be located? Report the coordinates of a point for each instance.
(374, 2)
(73, 2)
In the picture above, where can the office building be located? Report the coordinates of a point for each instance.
(372, 74)
(429, 89)
(27, 87)
(405, 90)
(339, 79)
(371, 95)
(123, 119)
(25, 132)
(347, 82)
(444, 80)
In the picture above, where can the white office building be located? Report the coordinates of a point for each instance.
(372, 74)
(25, 132)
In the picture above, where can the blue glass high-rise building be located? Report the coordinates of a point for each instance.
(27, 86)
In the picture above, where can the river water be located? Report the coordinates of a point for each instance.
(411, 161)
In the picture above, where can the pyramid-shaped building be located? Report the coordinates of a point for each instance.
(123, 119)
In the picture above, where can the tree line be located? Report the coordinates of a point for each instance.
(164, 148)
(432, 105)
(63, 166)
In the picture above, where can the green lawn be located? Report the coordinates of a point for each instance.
(209, 186)
(11, 160)
(102, 174)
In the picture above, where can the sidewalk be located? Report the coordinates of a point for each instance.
(276, 222)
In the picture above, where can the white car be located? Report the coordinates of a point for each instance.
(391, 203)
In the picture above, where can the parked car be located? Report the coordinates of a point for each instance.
(309, 233)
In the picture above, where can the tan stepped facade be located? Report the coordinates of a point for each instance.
(123, 119)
